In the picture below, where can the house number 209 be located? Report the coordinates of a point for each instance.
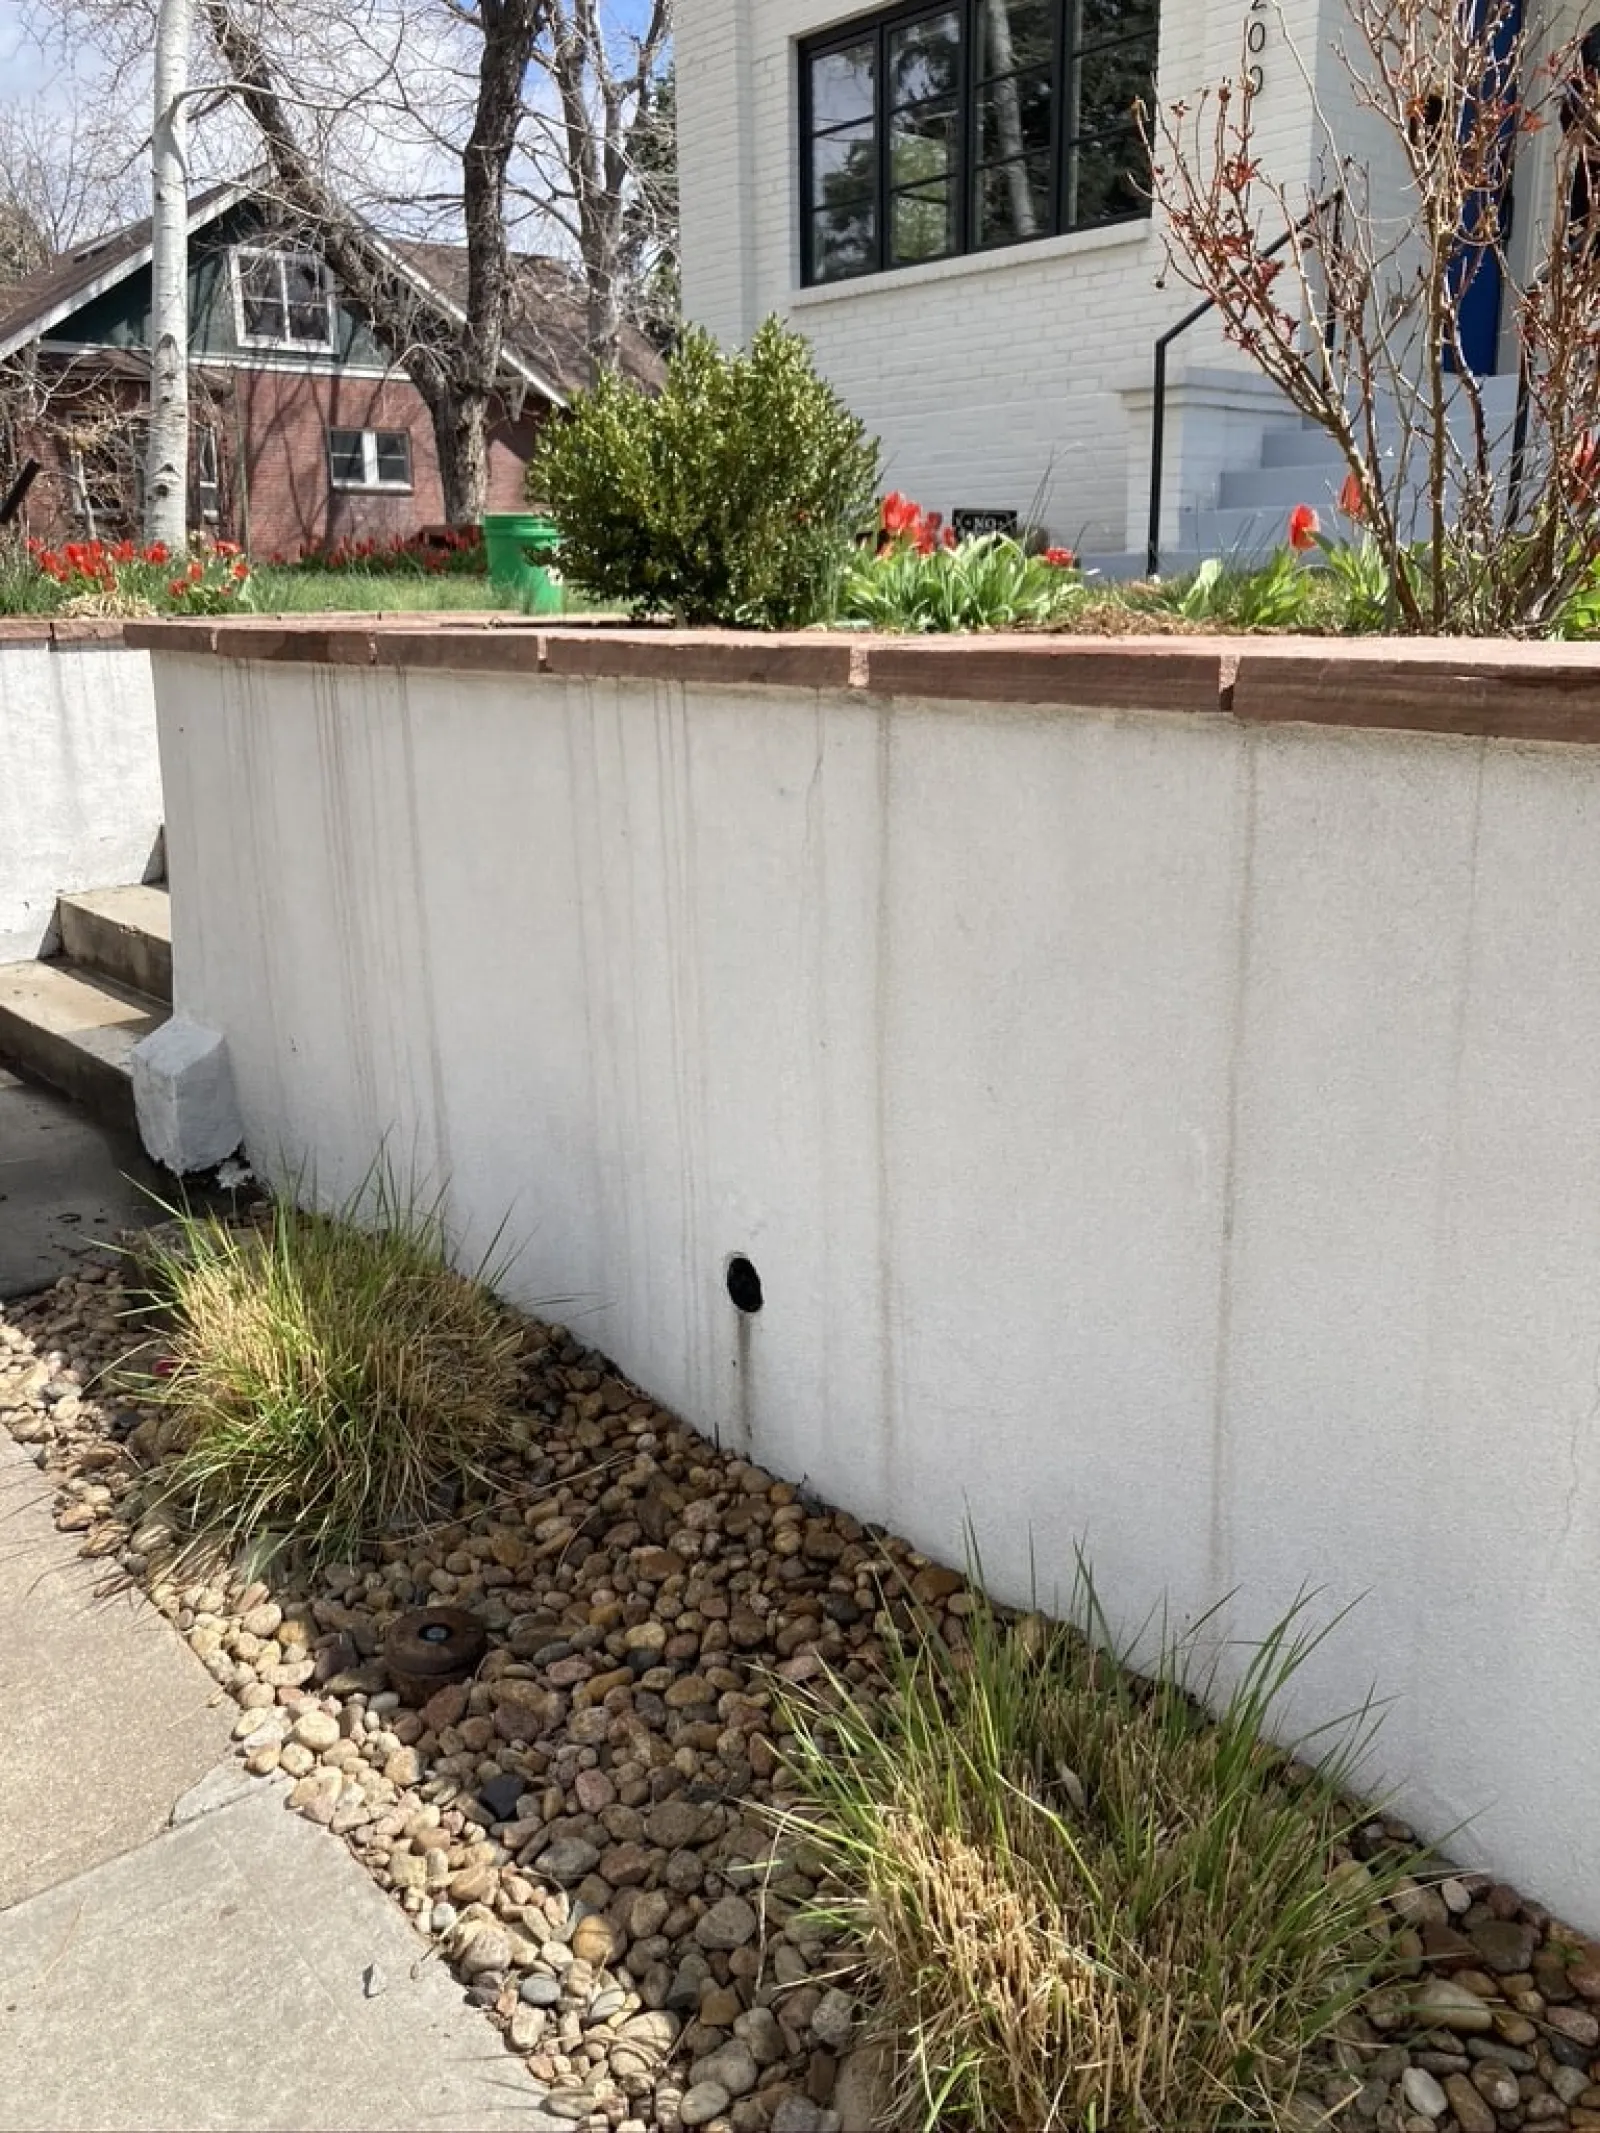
(1255, 43)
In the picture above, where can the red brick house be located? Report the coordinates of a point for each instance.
(305, 427)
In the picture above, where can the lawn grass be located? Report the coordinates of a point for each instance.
(298, 592)
(23, 589)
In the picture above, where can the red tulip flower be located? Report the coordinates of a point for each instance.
(900, 515)
(1352, 502)
(1585, 465)
(1303, 528)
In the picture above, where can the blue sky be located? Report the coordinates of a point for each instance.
(22, 70)
(25, 74)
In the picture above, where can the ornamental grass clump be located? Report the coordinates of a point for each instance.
(334, 1377)
(1082, 1904)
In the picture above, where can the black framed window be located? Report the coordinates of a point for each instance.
(948, 126)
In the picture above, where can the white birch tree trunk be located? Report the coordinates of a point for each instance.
(166, 492)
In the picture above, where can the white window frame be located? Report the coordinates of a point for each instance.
(369, 461)
(207, 474)
(282, 259)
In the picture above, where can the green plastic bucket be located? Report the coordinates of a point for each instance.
(522, 548)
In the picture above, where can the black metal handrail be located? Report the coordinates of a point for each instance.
(1158, 412)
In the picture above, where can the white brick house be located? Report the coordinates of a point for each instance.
(1017, 365)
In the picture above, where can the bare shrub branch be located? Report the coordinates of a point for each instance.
(1358, 318)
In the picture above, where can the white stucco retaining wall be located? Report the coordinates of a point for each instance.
(80, 777)
(1151, 1130)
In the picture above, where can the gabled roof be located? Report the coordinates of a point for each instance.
(546, 339)
(30, 308)
(548, 317)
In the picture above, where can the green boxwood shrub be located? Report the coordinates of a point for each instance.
(734, 495)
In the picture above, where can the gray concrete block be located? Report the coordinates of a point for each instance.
(183, 1091)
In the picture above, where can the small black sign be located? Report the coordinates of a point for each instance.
(969, 522)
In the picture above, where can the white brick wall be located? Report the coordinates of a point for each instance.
(985, 378)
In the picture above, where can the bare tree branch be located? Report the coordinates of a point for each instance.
(455, 369)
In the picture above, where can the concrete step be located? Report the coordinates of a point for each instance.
(75, 1031)
(1299, 464)
(125, 934)
(1304, 447)
(1249, 536)
(1305, 480)
(1287, 450)
(1281, 488)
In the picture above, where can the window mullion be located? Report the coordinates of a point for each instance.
(883, 101)
(808, 157)
(1059, 137)
(964, 176)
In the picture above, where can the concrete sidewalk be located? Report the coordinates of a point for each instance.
(238, 1970)
(66, 1183)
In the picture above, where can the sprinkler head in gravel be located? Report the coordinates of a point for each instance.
(428, 1650)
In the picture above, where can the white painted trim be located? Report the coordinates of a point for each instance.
(89, 292)
(258, 359)
(207, 455)
(435, 295)
(282, 256)
(1231, 391)
(1132, 235)
(370, 484)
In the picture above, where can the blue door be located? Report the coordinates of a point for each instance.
(1475, 275)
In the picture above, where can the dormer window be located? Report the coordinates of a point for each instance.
(282, 299)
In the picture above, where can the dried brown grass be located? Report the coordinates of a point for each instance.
(1079, 1902)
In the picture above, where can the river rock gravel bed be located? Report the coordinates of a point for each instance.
(583, 1831)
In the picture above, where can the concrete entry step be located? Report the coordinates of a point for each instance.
(125, 934)
(75, 1030)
